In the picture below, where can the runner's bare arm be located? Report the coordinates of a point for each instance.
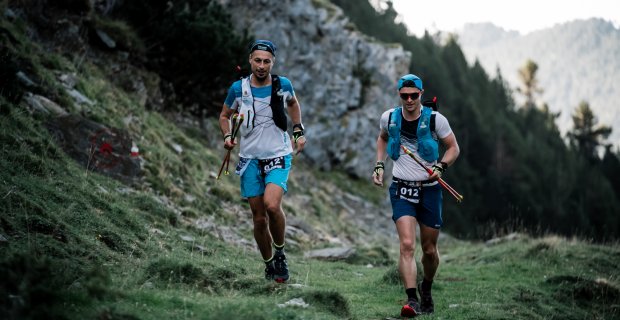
(225, 125)
(382, 139)
(452, 149)
(294, 111)
(452, 152)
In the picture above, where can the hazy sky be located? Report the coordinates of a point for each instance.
(523, 15)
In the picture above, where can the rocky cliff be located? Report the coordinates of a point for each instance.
(343, 79)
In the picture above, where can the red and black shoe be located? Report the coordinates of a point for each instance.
(411, 309)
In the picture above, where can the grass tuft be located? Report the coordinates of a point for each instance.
(376, 256)
(584, 290)
(330, 300)
(169, 271)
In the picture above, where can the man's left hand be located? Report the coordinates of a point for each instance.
(438, 170)
(299, 141)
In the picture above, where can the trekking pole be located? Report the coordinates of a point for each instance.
(226, 158)
(236, 123)
(444, 184)
(236, 126)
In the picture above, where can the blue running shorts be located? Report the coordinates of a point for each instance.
(254, 179)
(427, 210)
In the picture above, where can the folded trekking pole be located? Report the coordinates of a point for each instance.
(444, 184)
(236, 123)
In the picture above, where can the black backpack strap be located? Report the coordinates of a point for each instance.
(277, 103)
(431, 103)
(433, 116)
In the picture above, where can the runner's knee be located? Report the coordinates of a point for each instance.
(407, 246)
(261, 221)
(429, 249)
(272, 206)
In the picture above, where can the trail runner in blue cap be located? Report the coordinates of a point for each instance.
(415, 196)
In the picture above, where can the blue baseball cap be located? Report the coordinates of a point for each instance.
(410, 80)
(264, 45)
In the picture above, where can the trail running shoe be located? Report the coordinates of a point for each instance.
(270, 270)
(281, 267)
(426, 305)
(411, 309)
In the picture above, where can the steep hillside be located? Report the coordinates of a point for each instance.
(577, 61)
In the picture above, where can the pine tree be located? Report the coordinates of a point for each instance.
(586, 137)
(530, 88)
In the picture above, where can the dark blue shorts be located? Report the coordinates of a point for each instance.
(427, 210)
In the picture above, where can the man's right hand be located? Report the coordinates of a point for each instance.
(229, 143)
(377, 175)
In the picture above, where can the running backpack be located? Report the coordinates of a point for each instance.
(428, 147)
(276, 103)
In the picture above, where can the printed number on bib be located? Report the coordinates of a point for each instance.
(266, 165)
(408, 192)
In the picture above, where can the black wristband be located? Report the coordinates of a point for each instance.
(444, 165)
(298, 126)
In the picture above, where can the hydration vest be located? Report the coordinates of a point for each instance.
(428, 148)
(276, 103)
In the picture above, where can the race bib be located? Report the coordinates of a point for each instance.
(408, 191)
(266, 165)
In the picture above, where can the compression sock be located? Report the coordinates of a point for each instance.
(411, 294)
(426, 285)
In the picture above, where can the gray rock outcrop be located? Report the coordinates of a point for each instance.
(343, 79)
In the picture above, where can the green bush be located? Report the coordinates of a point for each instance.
(192, 46)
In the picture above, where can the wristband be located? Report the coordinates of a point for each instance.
(228, 135)
(379, 166)
(298, 126)
(444, 165)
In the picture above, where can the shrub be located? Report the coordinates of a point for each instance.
(191, 44)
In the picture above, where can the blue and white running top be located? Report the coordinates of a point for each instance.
(260, 137)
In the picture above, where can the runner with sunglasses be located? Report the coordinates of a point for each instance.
(415, 196)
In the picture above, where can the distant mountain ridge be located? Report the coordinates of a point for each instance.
(577, 60)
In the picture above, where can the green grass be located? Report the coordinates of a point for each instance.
(89, 253)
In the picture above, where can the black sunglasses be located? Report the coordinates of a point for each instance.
(414, 96)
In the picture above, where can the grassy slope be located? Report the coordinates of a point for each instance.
(83, 246)
(93, 240)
